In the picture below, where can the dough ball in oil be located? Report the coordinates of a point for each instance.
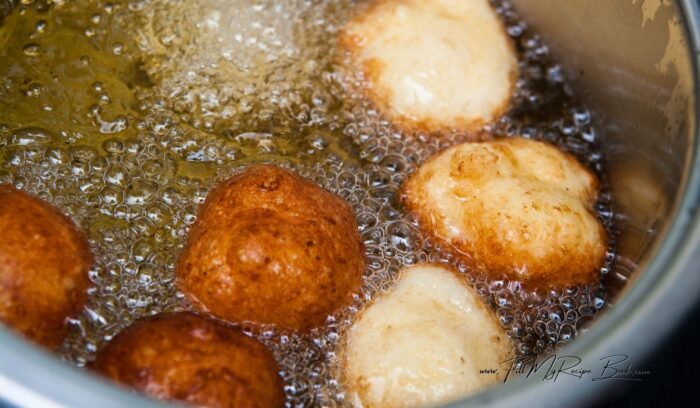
(44, 263)
(434, 63)
(273, 248)
(423, 343)
(512, 206)
(183, 357)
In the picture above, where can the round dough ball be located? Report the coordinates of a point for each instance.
(183, 357)
(513, 206)
(424, 343)
(272, 248)
(434, 63)
(44, 263)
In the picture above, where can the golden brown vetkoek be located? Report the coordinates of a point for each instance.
(44, 263)
(184, 357)
(273, 248)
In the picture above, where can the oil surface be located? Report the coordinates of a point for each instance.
(125, 113)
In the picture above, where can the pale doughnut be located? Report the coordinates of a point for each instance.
(434, 63)
(423, 343)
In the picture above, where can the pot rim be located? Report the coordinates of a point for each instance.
(32, 377)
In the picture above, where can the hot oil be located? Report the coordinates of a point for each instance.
(124, 114)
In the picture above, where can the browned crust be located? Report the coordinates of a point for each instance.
(272, 248)
(183, 357)
(381, 95)
(44, 263)
(493, 258)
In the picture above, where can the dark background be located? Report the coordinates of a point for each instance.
(675, 368)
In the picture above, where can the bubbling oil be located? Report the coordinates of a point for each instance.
(125, 113)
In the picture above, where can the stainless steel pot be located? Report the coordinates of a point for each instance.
(635, 62)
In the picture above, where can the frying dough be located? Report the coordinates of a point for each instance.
(44, 263)
(423, 343)
(434, 63)
(184, 357)
(272, 247)
(513, 206)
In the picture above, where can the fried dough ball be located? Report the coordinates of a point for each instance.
(271, 247)
(183, 357)
(514, 206)
(423, 343)
(44, 263)
(434, 63)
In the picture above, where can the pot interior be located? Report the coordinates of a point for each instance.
(628, 65)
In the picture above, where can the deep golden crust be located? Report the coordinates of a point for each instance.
(183, 357)
(512, 206)
(44, 264)
(272, 248)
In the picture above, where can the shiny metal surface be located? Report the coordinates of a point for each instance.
(635, 62)
(630, 61)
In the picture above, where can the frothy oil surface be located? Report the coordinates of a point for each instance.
(125, 113)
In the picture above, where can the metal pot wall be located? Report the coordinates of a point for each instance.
(635, 62)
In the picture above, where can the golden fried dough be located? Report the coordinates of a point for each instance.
(183, 357)
(423, 343)
(434, 63)
(44, 264)
(273, 248)
(513, 206)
